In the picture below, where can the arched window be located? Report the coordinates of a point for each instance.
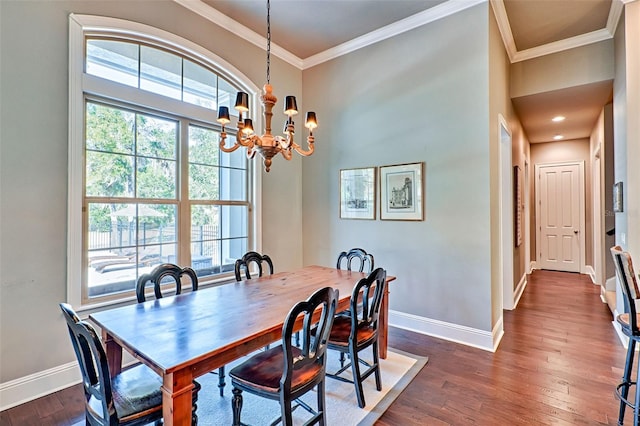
(148, 183)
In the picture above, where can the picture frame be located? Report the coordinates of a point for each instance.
(518, 204)
(401, 192)
(618, 206)
(358, 193)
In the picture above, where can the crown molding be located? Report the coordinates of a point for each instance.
(444, 9)
(447, 8)
(414, 21)
(504, 27)
(617, 6)
(222, 20)
(562, 45)
(557, 46)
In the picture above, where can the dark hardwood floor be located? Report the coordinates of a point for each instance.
(558, 364)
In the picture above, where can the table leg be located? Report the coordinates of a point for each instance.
(114, 354)
(384, 324)
(176, 398)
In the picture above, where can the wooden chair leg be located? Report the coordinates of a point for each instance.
(321, 403)
(636, 407)
(357, 381)
(626, 379)
(236, 406)
(376, 363)
(285, 407)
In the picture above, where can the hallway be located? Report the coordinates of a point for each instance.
(558, 364)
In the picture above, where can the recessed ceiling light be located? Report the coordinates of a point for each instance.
(558, 118)
(558, 137)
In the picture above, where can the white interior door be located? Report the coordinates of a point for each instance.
(560, 216)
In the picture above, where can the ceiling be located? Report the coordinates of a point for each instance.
(308, 32)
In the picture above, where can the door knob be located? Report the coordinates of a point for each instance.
(575, 231)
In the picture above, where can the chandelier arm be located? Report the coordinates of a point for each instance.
(250, 143)
(305, 153)
(223, 140)
(286, 153)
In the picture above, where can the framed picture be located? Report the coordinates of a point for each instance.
(357, 193)
(617, 197)
(517, 204)
(401, 188)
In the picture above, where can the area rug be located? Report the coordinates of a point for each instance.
(342, 408)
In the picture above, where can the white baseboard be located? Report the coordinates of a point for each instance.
(28, 388)
(611, 284)
(517, 293)
(591, 272)
(453, 332)
(533, 266)
(602, 295)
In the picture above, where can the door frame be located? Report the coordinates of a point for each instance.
(506, 213)
(582, 219)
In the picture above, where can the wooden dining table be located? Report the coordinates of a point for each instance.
(185, 336)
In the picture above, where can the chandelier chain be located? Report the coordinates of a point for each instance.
(268, 41)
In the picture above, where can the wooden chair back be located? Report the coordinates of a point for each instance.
(162, 275)
(244, 264)
(628, 283)
(94, 368)
(314, 333)
(366, 300)
(346, 258)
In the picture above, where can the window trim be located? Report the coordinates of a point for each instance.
(81, 26)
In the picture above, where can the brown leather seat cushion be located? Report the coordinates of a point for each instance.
(342, 328)
(136, 392)
(264, 371)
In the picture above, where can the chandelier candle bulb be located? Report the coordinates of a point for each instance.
(290, 106)
(247, 129)
(242, 102)
(223, 116)
(312, 122)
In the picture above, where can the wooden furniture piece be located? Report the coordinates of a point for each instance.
(345, 258)
(207, 329)
(285, 373)
(244, 264)
(358, 330)
(131, 397)
(158, 274)
(628, 321)
(175, 273)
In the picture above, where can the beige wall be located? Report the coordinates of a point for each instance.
(569, 68)
(33, 172)
(407, 100)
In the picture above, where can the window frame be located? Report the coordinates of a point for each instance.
(84, 87)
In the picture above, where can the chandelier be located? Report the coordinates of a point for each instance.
(267, 145)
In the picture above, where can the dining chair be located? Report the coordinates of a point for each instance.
(244, 264)
(346, 258)
(132, 397)
(284, 373)
(164, 275)
(628, 322)
(359, 330)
